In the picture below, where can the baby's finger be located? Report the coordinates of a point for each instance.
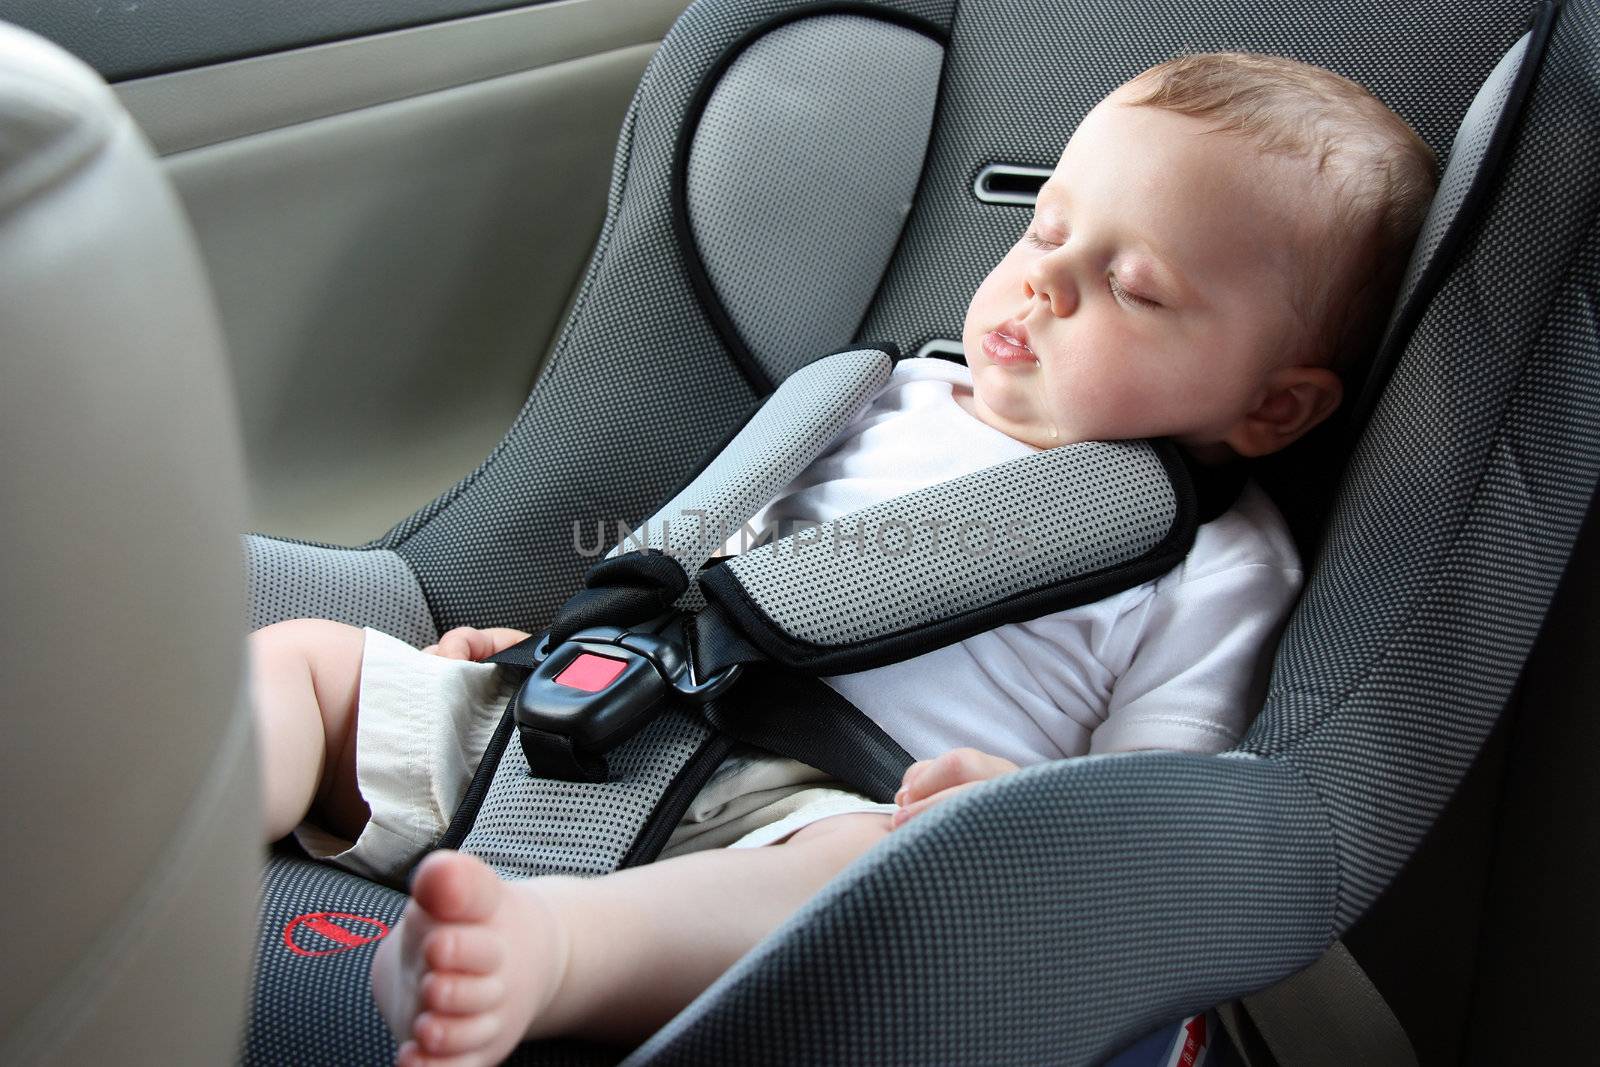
(911, 810)
(945, 770)
(457, 643)
(906, 779)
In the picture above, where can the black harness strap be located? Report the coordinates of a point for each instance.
(800, 716)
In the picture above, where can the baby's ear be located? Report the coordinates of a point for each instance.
(1295, 401)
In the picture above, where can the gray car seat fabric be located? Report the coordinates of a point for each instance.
(1124, 508)
(130, 839)
(807, 410)
(362, 587)
(1062, 911)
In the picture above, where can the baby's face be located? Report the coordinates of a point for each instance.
(1150, 294)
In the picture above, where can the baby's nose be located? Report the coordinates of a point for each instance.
(1061, 294)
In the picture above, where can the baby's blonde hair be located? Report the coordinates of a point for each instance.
(1381, 176)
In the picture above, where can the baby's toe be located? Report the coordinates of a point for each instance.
(462, 950)
(456, 887)
(449, 1035)
(461, 994)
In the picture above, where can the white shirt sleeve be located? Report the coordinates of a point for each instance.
(1201, 657)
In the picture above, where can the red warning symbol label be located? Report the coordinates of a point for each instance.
(328, 933)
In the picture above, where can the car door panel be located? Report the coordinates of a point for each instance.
(393, 225)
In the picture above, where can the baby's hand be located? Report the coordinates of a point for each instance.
(933, 780)
(466, 642)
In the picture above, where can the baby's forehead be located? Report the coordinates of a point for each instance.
(1159, 170)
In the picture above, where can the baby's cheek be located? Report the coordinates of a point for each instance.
(983, 306)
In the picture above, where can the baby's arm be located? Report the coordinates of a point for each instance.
(1199, 668)
(932, 781)
(466, 642)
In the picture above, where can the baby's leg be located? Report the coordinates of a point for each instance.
(305, 678)
(479, 964)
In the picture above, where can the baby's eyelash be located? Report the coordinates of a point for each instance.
(1033, 238)
(1122, 294)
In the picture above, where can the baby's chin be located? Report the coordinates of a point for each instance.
(998, 390)
(1010, 417)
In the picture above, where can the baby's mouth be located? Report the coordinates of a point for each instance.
(1007, 345)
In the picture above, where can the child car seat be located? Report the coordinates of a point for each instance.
(1114, 894)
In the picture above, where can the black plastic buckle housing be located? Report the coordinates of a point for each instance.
(598, 688)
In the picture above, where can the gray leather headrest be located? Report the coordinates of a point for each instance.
(131, 837)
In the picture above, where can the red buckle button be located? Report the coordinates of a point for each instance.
(590, 672)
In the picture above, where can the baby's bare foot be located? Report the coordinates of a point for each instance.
(474, 961)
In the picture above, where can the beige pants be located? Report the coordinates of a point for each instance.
(423, 722)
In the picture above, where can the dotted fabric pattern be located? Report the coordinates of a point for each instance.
(795, 424)
(531, 826)
(639, 386)
(1060, 912)
(1461, 502)
(339, 1023)
(953, 547)
(319, 1009)
(779, 189)
(1461, 166)
(362, 587)
(1050, 916)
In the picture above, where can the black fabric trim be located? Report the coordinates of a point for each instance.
(1216, 485)
(557, 756)
(888, 348)
(710, 301)
(621, 590)
(1381, 367)
(739, 610)
(715, 643)
(467, 812)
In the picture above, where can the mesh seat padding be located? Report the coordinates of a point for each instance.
(362, 587)
(912, 561)
(530, 826)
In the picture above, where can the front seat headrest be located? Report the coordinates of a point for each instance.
(132, 841)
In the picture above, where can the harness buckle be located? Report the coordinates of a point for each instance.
(598, 688)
